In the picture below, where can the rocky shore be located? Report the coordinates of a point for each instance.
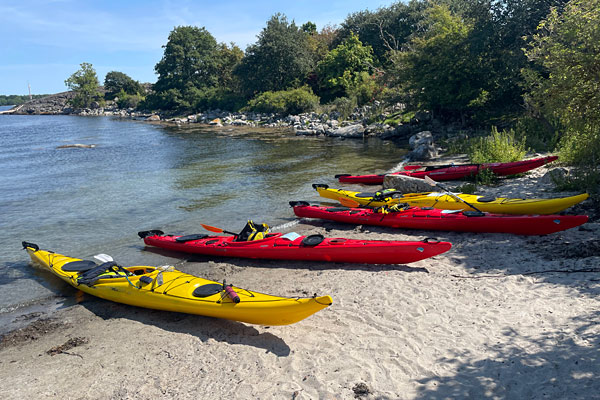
(417, 132)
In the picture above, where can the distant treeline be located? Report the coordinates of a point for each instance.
(15, 99)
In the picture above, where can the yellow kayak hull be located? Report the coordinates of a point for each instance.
(444, 201)
(175, 294)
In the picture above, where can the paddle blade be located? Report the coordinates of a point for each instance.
(103, 257)
(411, 167)
(212, 228)
(430, 181)
(348, 202)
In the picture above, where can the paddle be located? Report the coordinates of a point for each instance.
(434, 183)
(217, 230)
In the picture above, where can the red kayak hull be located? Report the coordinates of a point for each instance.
(446, 220)
(277, 247)
(454, 172)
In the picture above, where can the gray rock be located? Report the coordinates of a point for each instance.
(350, 131)
(406, 184)
(423, 147)
(153, 117)
(554, 175)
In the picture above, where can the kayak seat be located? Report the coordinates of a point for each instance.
(486, 199)
(207, 290)
(365, 194)
(79, 266)
(188, 238)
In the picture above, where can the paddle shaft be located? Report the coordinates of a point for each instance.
(455, 196)
(217, 230)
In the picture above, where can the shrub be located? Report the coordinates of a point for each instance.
(127, 100)
(292, 101)
(344, 106)
(497, 147)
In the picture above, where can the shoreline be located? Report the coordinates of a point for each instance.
(498, 315)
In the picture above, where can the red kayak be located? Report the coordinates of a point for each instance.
(452, 172)
(292, 246)
(444, 220)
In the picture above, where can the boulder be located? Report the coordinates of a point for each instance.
(153, 117)
(406, 184)
(554, 175)
(350, 131)
(423, 147)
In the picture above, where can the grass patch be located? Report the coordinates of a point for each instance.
(497, 147)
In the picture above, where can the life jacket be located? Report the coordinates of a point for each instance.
(386, 193)
(102, 271)
(253, 231)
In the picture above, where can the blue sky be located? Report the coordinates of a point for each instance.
(45, 41)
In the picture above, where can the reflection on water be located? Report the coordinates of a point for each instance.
(141, 176)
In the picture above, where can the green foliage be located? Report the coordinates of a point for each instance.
(190, 64)
(126, 100)
(227, 59)
(293, 101)
(341, 71)
(486, 177)
(467, 187)
(84, 83)
(280, 59)
(309, 27)
(438, 67)
(580, 180)
(15, 99)
(564, 83)
(221, 98)
(497, 147)
(115, 82)
(388, 28)
(344, 106)
(538, 138)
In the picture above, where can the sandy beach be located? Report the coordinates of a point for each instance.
(498, 316)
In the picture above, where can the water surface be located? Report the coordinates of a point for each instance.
(138, 176)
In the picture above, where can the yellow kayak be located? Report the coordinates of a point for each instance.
(165, 288)
(498, 205)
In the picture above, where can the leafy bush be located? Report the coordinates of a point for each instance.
(468, 188)
(292, 101)
(497, 147)
(126, 100)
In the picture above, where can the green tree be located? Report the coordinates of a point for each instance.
(342, 69)
(189, 65)
(115, 82)
(439, 68)
(280, 59)
(564, 79)
(84, 83)
(388, 28)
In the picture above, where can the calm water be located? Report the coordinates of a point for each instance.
(81, 202)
